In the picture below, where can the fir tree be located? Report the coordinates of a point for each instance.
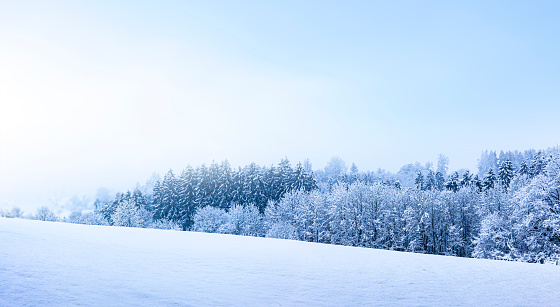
(524, 168)
(505, 173)
(440, 181)
(167, 199)
(187, 197)
(489, 179)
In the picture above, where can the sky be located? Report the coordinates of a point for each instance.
(105, 93)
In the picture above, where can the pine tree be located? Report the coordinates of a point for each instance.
(270, 183)
(299, 176)
(285, 175)
(440, 181)
(203, 186)
(187, 198)
(166, 201)
(505, 173)
(524, 168)
(213, 194)
(489, 179)
(225, 183)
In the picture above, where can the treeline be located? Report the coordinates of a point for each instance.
(511, 211)
(514, 215)
(176, 198)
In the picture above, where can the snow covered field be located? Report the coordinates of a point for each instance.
(58, 264)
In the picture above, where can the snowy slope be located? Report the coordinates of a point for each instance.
(44, 263)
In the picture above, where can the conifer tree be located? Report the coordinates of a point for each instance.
(505, 173)
(489, 179)
(440, 181)
(524, 168)
(187, 197)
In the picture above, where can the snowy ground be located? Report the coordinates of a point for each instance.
(43, 263)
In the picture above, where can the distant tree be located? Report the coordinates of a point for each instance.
(285, 177)
(524, 168)
(165, 224)
(93, 218)
(128, 214)
(537, 220)
(442, 164)
(353, 169)
(187, 198)
(282, 230)
(307, 166)
(408, 173)
(74, 217)
(419, 181)
(209, 219)
(89, 218)
(477, 183)
(495, 240)
(489, 179)
(167, 201)
(335, 167)
(45, 214)
(505, 173)
(452, 183)
(430, 182)
(537, 164)
(487, 160)
(244, 221)
(440, 181)
(310, 218)
(16, 212)
(466, 180)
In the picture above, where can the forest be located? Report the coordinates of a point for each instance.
(508, 210)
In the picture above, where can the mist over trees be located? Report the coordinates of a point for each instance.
(509, 210)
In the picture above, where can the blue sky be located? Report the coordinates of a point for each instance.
(107, 92)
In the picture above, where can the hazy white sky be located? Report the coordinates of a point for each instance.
(105, 93)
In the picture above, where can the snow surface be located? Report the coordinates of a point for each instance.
(45, 263)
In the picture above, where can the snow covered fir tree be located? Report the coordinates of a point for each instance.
(508, 210)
